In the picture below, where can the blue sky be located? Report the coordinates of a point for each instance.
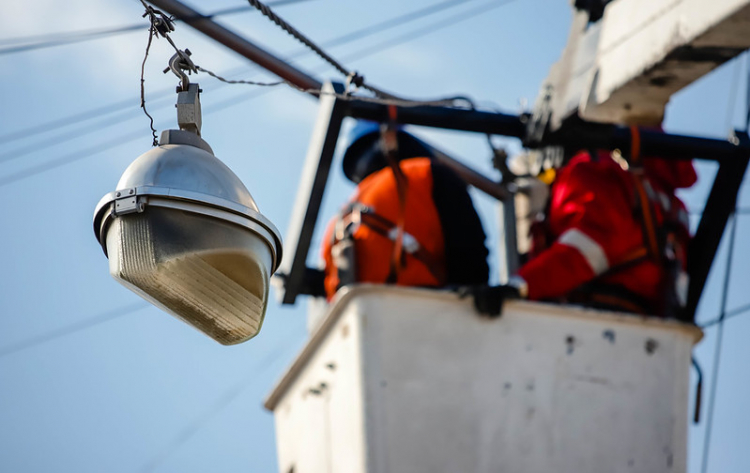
(144, 392)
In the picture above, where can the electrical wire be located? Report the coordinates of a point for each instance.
(152, 31)
(73, 328)
(737, 211)
(394, 22)
(72, 38)
(742, 310)
(428, 29)
(369, 51)
(162, 25)
(718, 346)
(115, 120)
(352, 77)
(61, 39)
(392, 100)
(224, 400)
(383, 46)
(102, 146)
(165, 93)
(70, 120)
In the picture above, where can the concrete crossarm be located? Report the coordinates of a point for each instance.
(625, 68)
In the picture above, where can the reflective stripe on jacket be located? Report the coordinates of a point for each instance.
(440, 218)
(373, 249)
(592, 230)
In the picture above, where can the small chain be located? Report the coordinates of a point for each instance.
(446, 102)
(246, 82)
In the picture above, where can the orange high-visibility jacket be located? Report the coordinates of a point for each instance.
(443, 242)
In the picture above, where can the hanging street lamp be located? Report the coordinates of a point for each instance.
(184, 233)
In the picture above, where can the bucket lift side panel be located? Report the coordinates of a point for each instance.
(543, 388)
(320, 421)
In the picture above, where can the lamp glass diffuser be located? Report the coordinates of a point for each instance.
(200, 269)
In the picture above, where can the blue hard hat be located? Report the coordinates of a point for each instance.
(362, 129)
(364, 156)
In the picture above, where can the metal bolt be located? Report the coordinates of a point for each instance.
(570, 341)
(117, 194)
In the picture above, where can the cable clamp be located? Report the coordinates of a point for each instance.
(160, 22)
(353, 79)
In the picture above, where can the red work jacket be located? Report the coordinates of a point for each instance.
(593, 228)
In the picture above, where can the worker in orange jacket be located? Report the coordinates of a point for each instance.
(410, 221)
(615, 236)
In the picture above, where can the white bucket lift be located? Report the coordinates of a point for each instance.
(412, 380)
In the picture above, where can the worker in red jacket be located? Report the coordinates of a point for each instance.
(615, 236)
(410, 222)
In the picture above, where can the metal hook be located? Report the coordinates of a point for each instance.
(178, 64)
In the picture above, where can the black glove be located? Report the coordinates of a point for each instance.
(488, 300)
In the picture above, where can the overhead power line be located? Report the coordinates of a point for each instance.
(31, 43)
(114, 120)
(372, 50)
(100, 147)
(73, 328)
(361, 54)
(346, 38)
(718, 346)
(393, 22)
(382, 46)
(224, 400)
(428, 29)
(71, 38)
(742, 310)
(352, 76)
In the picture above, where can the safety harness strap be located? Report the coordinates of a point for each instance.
(389, 140)
(356, 214)
(644, 205)
(659, 239)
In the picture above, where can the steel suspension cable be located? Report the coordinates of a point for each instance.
(351, 76)
(232, 101)
(334, 42)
